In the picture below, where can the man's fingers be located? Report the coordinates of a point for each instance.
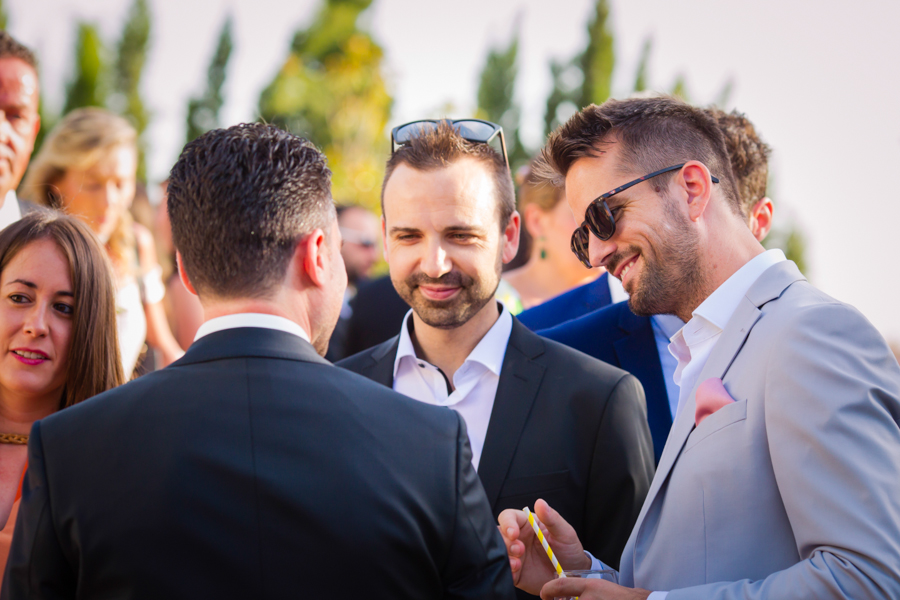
(564, 587)
(510, 523)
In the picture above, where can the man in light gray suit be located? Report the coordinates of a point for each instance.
(781, 475)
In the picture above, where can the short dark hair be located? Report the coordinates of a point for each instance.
(11, 48)
(749, 155)
(239, 201)
(652, 133)
(442, 146)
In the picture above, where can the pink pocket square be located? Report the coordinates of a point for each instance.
(711, 396)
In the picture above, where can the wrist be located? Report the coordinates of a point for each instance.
(586, 562)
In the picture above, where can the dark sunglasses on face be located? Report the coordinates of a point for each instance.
(599, 219)
(473, 130)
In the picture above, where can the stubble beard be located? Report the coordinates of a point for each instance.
(456, 312)
(672, 277)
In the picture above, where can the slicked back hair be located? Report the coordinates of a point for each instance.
(11, 48)
(749, 155)
(443, 146)
(651, 133)
(240, 199)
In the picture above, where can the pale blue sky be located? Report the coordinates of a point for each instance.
(817, 78)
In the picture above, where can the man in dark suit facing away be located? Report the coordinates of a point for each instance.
(251, 467)
(544, 421)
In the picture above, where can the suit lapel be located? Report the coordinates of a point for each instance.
(770, 285)
(381, 369)
(638, 355)
(520, 379)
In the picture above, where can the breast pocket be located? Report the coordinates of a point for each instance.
(727, 416)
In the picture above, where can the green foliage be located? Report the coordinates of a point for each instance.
(4, 20)
(203, 112)
(331, 91)
(496, 91)
(640, 79)
(598, 59)
(679, 88)
(791, 239)
(89, 84)
(129, 66)
(585, 79)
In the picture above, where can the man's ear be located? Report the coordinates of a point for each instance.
(760, 218)
(182, 274)
(310, 257)
(696, 183)
(510, 237)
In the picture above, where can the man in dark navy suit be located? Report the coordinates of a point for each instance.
(252, 467)
(639, 345)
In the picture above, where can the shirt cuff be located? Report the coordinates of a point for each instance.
(597, 565)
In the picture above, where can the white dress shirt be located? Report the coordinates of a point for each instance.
(475, 382)
(692, 345)
(250, 320)
(9, 212)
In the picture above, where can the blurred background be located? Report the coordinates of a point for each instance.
(815, 78)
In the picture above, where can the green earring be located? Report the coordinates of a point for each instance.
(543, 250)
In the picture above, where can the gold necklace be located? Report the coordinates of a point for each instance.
(14, 438)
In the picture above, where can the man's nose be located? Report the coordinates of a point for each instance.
(599, 250)
(436, 262)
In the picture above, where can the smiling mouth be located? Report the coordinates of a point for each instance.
(626, 268)
(30, 358)
(435, 293)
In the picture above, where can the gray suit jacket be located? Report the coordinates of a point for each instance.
(793, 491)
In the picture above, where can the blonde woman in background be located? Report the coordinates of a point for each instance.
(552, 268)
(86, 167)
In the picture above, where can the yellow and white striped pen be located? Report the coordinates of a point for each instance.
(537, 531)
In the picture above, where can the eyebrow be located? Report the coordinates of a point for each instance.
(469, 228)
(33, 286)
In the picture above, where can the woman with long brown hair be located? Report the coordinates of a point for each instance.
(87, 168)
(58, 342)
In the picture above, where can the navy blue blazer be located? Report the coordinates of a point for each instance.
(619, 337)
(569, 305)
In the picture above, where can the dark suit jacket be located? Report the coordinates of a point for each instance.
(565, 428)
(619, 337)
(567, 306)
(252, 468)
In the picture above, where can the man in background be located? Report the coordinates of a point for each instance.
(19, 123)
(359, 229)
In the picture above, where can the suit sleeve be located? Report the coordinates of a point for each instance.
(832, 402)
(478, 566)
(621, 470)
(37, 567)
